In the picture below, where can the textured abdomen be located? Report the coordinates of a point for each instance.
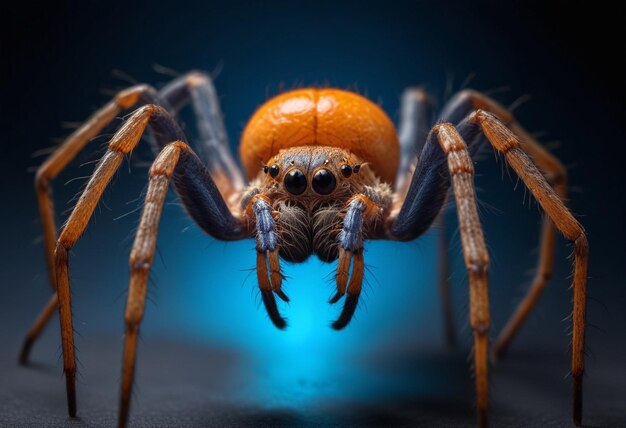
(325, 117)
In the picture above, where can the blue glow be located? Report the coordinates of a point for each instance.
(212, 299)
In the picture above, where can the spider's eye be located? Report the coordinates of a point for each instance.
(346, 170)
(324, 182)
(274, 170)
(295, 182)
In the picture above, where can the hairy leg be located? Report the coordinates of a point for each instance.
(507, 143)
(200, 197)
(49, 170)
(426, 196)
(455, 111)
(122, 143)
(196, 86)
(475, 254)
(141, 258)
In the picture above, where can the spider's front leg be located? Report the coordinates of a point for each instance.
(475, 254)
(202, 200)
(414, 214)
(364, 213)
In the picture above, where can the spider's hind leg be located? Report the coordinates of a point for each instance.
(200, 197)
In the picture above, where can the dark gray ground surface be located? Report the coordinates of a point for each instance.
(180, 385)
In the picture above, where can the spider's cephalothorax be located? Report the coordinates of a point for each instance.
(325, 171)
(310, 187)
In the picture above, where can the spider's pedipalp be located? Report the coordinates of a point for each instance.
(347, 312)
(272, 309)
(362, 214)
(268, 270)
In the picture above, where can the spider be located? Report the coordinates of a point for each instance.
(323, 170)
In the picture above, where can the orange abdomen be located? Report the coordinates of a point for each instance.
(323, 117)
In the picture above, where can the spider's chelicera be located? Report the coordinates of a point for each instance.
(323, 171)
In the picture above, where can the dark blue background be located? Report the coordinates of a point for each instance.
(57, 67)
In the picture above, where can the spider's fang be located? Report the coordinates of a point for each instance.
(348, 311)
(272, 310)
(336, 297)
(282, 295)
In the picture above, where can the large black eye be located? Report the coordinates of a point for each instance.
(324, 182)
(295, 182)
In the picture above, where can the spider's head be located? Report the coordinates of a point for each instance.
(314, 174)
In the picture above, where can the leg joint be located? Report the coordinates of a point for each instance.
(133, 319)
(128, 135)
(478, 266)
(481, 328)
(501, 137)
(42, 180)
(63, 244)
(60, 252)
(140, 264)
(131, 96)
(197, 78)
(419, 94)
(167, 159)
(479, 101)
(581, 245)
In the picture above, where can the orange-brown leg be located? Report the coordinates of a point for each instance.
(44, 177)
(506, 142)
(475, 255)
(555, 173)
(141, 258)
(122, 143)
(37, 328)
